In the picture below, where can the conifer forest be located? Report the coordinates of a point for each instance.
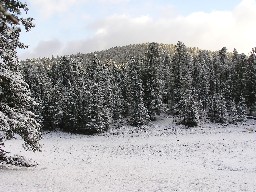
(141, 117)
(88, 93)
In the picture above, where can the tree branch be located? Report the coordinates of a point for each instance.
(9, 16)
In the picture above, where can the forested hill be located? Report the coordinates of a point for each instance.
(118, 55)
(135, 83)
(122, 55)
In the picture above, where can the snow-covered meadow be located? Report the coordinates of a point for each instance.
(160, 157)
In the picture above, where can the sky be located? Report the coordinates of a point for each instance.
(72, 26)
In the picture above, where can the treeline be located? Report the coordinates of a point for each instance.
(87, 93)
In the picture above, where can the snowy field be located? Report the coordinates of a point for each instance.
(162, 157)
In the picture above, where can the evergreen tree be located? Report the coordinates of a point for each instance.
(250, 82)
(97, 117)
(123, 87)
(200, 80)
(218, 110)
(219, 88)
(37, 76)
(180, 61)
(238, 75)
(232, 113)
(138, 114)
(166, 80)
(69, 97)
(241, 110)
(117, 96)
(187, 103)
(16, 102)
(189, 109)
(151, 81)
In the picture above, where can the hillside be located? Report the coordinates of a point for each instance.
(88, 93)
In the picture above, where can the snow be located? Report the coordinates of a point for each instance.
(160, 157)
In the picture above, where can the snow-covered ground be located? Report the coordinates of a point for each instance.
(160, 157)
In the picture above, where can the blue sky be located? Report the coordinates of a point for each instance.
(71, 26)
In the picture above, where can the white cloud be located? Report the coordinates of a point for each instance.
(44, 49)
(233, 29)
(50, 7)
(101, 31)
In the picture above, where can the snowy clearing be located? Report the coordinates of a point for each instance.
(162, 157)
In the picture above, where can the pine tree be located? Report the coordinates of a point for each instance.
(232, 112)
(53, 107)
(166, 81)
(37, 76)
(189, 109)
(200, 80)
(151, 81)
(123, 86)
(117, 96)
(238, 75)
(218, 110)
(69, 98)
(97, 117)
(220, 87)
(250, 82)
(138, 114)
(239, 80)
(187, 101)
(15, 109)
(241, 110)
(16, 102)
(180, 61)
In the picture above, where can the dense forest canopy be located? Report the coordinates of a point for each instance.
(89, 92)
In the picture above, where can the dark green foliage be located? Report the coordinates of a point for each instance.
(165, 76)
(180, 62)
(184, 94)
(217, 110)
(87, 93)
(188, 110)
(241, 110)
(250, 82)
(117, 99)
(138, 113)
(16, 102)
(97, 117)
(201, 79)
(151, 81)
(238, 76)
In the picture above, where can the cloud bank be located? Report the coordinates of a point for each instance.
(213, 30)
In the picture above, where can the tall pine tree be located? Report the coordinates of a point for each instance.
(16, 102)
(250, 82)
(97, 116)
(138, 113)
(151, 81)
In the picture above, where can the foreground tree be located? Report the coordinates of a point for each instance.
(15, 97)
